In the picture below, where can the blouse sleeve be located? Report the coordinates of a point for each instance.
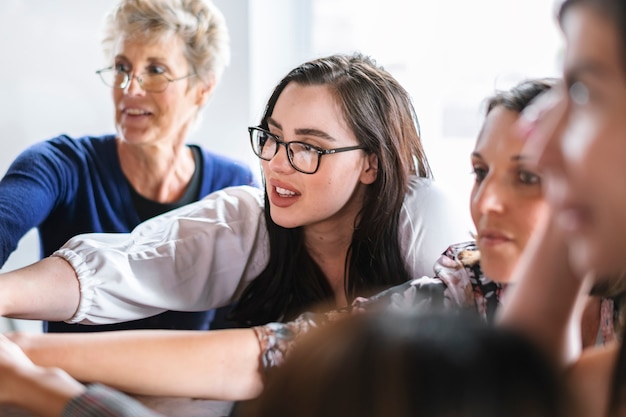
(429, 223)
(195, 258)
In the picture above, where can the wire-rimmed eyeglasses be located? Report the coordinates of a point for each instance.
(153, 83)
(302, 156)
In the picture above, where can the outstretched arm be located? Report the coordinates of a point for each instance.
(222, 364)
(47, 290)
(181, 260)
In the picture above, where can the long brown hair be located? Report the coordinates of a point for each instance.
(380, 113)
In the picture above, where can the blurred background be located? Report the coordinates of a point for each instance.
(449, 54)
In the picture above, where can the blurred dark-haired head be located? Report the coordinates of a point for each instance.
(411, 364)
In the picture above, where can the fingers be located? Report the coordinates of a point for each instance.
(543, 122)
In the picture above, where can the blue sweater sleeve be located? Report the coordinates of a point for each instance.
(39, 179)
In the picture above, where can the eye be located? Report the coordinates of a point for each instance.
(262, 138)
(307, 147)
(155, 70)
(479, 173)
(529, 178)
(122, 67)
(579, 93)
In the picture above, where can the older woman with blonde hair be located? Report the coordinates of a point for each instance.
(165, 58)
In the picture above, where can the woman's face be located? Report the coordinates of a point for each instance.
(506, 200)
(584, 155)
(334, 194)
(143, 117)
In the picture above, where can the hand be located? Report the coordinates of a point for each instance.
(14, 364)
(43, 391)
(543, 119)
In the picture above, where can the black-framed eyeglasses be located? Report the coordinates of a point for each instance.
(153, 83)
(302, 156)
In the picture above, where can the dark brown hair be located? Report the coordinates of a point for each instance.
(521, 95)
(380, 113)
(411, 364)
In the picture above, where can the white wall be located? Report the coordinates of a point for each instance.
(450, 55)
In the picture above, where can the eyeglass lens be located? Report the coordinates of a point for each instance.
(147, 81)
(301, 157)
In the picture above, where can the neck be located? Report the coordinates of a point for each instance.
(157, 171)
(329, 249)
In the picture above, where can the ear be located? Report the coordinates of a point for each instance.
(204, 90)
(370, 169)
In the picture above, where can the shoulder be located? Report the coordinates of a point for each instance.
(590, 379)
(221, 160)
(237, 201)
(64, 145)
(427, 204)
(429, 221)
(455, 267)
(465, 254)
(64, 153)
(422, 190)
(83, 142)
(222, 171)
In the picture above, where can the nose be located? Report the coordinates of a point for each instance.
(134, 86)
(490, 197)
(280, 161)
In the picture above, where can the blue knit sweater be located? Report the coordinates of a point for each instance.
(65, 186)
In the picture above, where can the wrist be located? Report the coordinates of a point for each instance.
(43, 391)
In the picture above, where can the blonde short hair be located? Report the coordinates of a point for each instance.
(199, 23)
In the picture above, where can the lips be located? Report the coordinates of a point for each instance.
(136, 112)
(492, 238)
(282, 195)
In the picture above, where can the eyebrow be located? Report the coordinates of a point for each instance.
(514, 158)
(585, 68)
(304, 131)
(150, 59)
(519, 158)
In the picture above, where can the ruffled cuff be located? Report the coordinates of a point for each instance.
(87, 282)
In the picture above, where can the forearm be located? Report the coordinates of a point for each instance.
(546, 298)
(221, 365)
(45, 290)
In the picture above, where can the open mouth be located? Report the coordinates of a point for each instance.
(283, 192)
(136, 112)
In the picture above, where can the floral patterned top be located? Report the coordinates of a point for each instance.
(458, 284)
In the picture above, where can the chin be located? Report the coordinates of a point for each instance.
(496, 271)
(283, 221)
